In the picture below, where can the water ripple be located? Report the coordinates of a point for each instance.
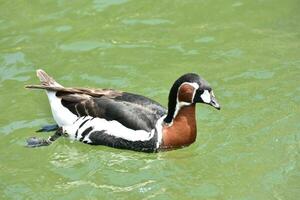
(146, 21)
(84, 46)
(68, 158)
(206, 39)
(16, 125)
(257, 74)
(100, 5)
(63, 28)
(113, 188)
(13, 67)
(118, 81)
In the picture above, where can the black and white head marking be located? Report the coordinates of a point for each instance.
(206, 96)
(202, 93)
(190, 78)
(181, 104)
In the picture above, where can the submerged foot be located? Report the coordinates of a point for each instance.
(37, 142)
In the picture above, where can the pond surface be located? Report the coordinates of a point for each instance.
(248, 50)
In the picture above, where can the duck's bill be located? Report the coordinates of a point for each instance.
(214, 103)
(207, 97)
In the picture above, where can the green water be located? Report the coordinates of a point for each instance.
(248, 50)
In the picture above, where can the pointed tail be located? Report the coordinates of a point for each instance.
(45, 79)
(61, 114)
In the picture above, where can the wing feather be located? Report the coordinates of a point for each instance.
(88, 91)
(133, 111)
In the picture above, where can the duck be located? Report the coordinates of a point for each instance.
(126, 120)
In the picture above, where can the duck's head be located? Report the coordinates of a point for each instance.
(187, 90)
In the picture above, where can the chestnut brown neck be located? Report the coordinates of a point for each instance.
(183, 129)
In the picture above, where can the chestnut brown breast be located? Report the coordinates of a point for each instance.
(183, 130)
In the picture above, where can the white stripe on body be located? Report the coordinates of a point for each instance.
(113, 128)
(159, 129)
(61, 114)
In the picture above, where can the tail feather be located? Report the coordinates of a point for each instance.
(61, 114)
(45, 79)
(46, 87)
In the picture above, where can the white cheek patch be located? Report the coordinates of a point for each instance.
(205, 96)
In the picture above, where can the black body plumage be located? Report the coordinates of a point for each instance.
(102, 138)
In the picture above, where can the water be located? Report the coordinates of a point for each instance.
(248, 50)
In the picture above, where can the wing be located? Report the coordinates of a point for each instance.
(133, 111)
